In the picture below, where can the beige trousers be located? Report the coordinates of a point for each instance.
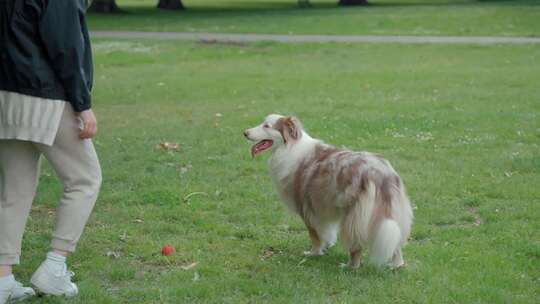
(75, 163)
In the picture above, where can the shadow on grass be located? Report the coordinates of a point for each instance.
(287, 15)
(432, 3)
(246, 8)
(290, 257)
(233, 8)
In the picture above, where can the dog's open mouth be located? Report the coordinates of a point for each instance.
(261, 146)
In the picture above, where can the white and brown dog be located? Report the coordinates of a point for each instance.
(358, 194)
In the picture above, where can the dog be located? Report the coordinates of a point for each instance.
(356, 194)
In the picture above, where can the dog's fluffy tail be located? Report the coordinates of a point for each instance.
(386, 242)
(368, 224)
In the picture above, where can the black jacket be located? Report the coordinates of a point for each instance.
(45, 50)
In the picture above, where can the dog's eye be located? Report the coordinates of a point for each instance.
(266, 125)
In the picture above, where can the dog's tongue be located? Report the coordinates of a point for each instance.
(260, 147)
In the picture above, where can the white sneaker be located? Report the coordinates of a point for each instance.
(17, 293)
(5, 295)
(20, 293)
(55, 282)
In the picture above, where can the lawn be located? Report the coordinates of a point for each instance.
(460, 123)
(382, 17)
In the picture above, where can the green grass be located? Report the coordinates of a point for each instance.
(382, 17)
(460, 123)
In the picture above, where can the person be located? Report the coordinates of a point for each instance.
(45, 109)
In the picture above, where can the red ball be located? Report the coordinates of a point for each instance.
(167, 250)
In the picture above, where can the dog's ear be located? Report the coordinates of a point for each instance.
(290, 128)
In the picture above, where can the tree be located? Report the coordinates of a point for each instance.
(104, 6)
(170, 4)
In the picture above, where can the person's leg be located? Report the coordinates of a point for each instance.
(76, 164)
(19, 171)
(5, 270)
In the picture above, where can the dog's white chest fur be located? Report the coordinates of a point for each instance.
(285, 161)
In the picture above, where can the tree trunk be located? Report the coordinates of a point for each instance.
(352, 2)
(104, 6)
(170, 4)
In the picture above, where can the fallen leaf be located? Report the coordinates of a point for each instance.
(113, 254)
(218, 193)
(188, 197)
(123, 237)
(266, 255)
(477, 221)
(168, 146)
(138, 221)
(219, 115)
(190, 266)
(196, 276)
(269, 252)
(509, 173)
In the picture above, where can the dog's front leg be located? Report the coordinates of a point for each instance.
(354, 258)
(316, 244)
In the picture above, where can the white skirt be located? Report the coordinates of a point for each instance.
(29, 118)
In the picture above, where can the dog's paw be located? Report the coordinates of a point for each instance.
(314, 253)
(329, 245)
(399, 267)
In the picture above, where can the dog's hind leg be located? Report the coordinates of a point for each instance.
(354, 258)
(397, 259)
(353, 244)
(328, 234)
(351, 240)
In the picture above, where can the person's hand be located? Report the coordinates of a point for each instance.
(89, 124)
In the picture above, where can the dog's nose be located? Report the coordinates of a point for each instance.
(246, 133)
